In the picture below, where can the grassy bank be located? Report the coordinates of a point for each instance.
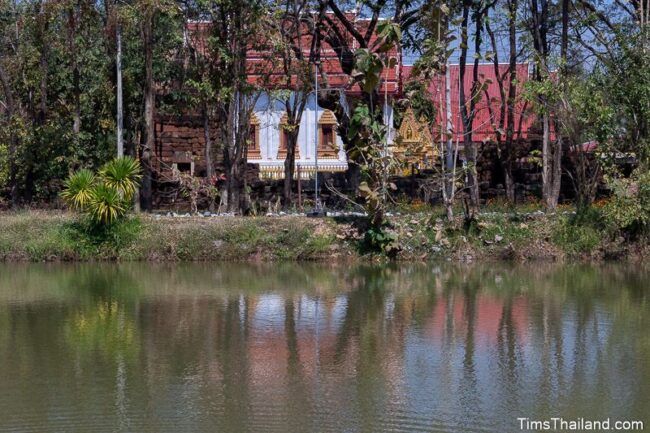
(41, 236)
(49, 236)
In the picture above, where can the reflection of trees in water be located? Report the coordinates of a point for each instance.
(382, 304)
(105, 329)
(566, 332)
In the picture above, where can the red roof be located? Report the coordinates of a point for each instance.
(484, 124)
(261, 61)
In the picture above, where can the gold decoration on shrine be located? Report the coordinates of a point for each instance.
(327, 118)
(413, 144)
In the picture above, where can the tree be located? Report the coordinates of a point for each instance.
(584, 119)
(10, 112)
(340, 31)
(468, 108)
(297, 50)
(149, 12)
(539, 26)
(504, 122)
(235, 31)
(368, 134)
(434, 46)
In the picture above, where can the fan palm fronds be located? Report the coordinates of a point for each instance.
(78, 189)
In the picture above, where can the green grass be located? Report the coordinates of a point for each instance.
(42, 236)
(52, 236)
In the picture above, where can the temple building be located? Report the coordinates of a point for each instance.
(268, 149)
(180, 140)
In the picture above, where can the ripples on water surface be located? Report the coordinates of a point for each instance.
(307, 348)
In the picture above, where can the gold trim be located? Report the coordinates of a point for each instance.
(305, 171)
(413, 141)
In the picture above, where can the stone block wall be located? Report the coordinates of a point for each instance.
(181, 137)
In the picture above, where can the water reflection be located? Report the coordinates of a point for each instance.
(293, 348)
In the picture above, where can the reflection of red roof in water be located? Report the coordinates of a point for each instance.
(487, 321)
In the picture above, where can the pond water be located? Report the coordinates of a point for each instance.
(320, 348)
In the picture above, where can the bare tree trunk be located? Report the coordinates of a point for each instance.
(13, 138)
(289, 167)
(120, 105)
(551, 151)
(470, 148)
(149, 101)
(555, 169)
(236, 150)
(547, 170)
(512, 97)
(209, 163)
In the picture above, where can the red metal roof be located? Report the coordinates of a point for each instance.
(260, 62)
(484, 124)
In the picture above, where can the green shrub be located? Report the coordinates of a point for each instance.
(106, 205)
(122, 175)
(581, 233)
(628, 210)
(382, 241)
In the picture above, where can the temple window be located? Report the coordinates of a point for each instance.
(328, 136)
(183, 162)
(284, 139)
(254, 143)
(184, 167)
(327, 146)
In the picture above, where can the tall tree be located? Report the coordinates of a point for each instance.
(540, 26)
(149, 11)
(343, 32)
(503, 121)
(467, 101)
(297, 51)
(235, 32)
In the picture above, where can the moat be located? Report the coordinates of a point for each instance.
(220, 347)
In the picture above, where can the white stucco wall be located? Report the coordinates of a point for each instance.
(269, 112)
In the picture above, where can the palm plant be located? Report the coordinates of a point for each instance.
(106, 205)
(78, 189)
(122, 174)
(105, 197)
